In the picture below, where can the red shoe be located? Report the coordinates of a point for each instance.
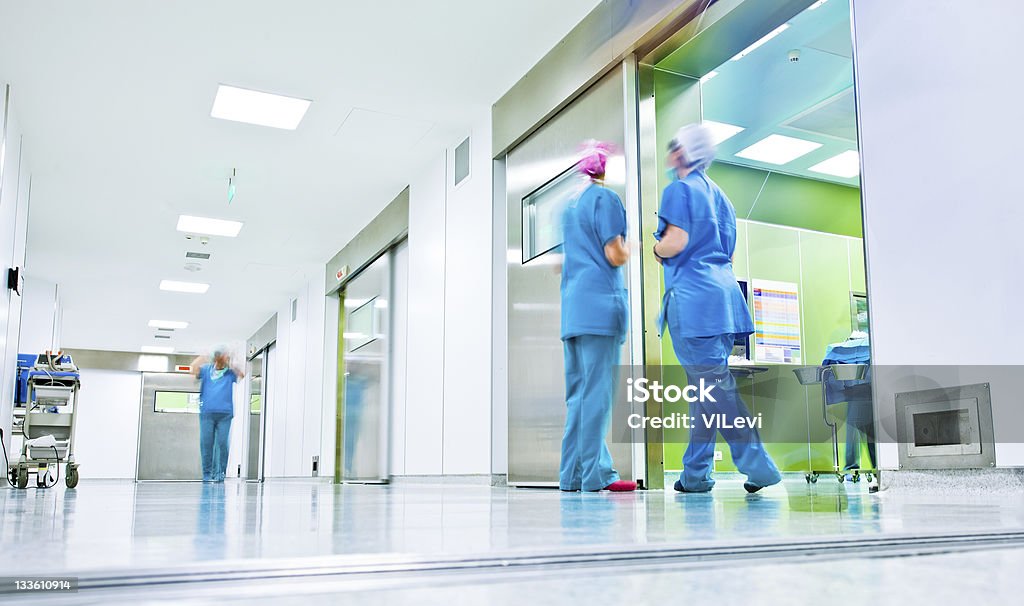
(621, 486)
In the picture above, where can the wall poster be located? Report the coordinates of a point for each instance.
(776, 322)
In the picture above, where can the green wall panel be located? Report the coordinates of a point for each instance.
(825, 293)
(858, 279)
(774, 252)
(826, 319)
(788, 200)
(739, 264)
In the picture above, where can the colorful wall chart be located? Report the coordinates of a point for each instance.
(776, 322)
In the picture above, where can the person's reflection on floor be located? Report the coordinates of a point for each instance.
(697, 512)
(592, 517)
(210, 539)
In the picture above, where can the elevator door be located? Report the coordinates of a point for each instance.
(541, 179)
(169, 428)
(365, 348)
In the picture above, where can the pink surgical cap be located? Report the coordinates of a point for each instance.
(593, 157)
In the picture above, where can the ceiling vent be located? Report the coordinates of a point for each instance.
(161, 336)
(165, 329)
(197, 255)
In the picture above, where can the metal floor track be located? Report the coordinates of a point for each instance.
(291, 577)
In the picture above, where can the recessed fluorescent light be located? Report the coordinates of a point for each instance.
(254, 107)
(816, 5)
(845, 165)
(193, 287)
(778, 149)
(720, 131)
(711, 74)
(156, 349)
(168, 324)
(775, 32)
(208, 227)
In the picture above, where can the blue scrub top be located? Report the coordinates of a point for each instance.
(702, 298)
(215, 395)
(594, 298)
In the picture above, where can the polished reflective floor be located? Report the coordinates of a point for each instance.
(124, 526)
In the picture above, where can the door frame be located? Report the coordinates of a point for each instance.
(264, 374)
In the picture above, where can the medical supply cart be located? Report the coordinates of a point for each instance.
(47, 388)
(818, 375)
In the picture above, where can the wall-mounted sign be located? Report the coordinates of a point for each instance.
(181, 368)
(342, 273)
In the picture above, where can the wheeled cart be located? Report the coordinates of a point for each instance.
(817, 375)
(48, 389)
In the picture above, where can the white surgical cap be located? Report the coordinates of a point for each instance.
(697, 144)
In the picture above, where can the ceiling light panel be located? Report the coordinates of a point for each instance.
(208, 227)
(167, 324)
(720, 131)
(778, 149)
(254, 107)
(775, 32)
(190, 287)
(845, 165)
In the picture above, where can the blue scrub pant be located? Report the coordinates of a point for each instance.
(860, 426)
(590, 363)
(708, 358)
(214, 429)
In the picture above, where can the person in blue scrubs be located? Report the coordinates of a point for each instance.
(594, 317)
(704, 309)
(217, 379)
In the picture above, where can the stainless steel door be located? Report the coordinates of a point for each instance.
(365, 349)
(536, 379)
(258, 375)
(169, 428)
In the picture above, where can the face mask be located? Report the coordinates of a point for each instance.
(216, 374)
(672, 175)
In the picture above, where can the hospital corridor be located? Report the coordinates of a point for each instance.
(482, 302)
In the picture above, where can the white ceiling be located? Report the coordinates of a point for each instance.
(114, 100)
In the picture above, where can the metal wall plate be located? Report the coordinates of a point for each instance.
(946, 428)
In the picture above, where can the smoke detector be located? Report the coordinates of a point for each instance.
(193, 267)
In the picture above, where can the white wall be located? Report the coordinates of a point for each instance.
(41, 316)
(425, 370)
(107, 426)
(296, 382)
(940, 129)
(467, 311)
(15, 185)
